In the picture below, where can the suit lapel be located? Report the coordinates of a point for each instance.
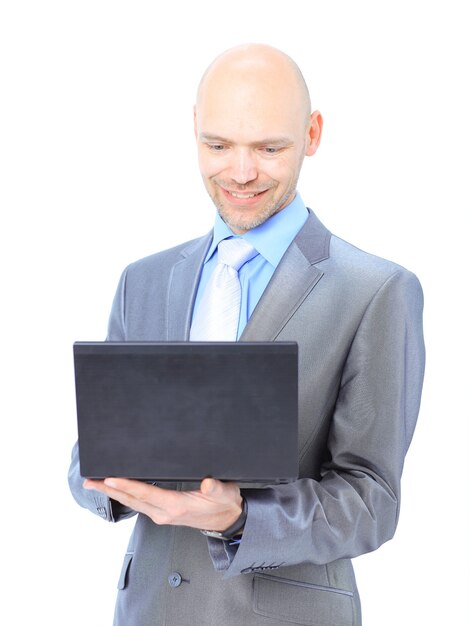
(293, 280)
(182, 288)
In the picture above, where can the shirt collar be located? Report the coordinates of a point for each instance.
(270, 239)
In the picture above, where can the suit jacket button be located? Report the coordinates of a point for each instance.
(174, 579)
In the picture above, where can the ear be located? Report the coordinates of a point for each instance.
(314, 132)
(195, 123)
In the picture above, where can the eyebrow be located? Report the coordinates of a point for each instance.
(268, 141)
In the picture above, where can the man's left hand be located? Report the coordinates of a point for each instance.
(215, 506)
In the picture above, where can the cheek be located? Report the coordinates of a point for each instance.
(209, 167)
(281, 171)
(289, 168)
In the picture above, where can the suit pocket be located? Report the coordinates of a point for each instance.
(302, 603)
(123, 578)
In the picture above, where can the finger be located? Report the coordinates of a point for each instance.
(93, 484)
(127, 485)
(136, 496)
(136, 490)
(115, 485)
(209, 487)
(216, 489)
(219, 491)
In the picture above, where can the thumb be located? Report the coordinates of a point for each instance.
(211, 487)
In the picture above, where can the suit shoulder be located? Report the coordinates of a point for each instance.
(364, 273)
(350, 258)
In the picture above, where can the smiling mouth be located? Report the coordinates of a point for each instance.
(243, 195)
(239, 195)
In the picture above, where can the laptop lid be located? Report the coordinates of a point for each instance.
(183, 411)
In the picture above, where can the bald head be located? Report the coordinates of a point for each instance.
(260, 67)
(254, 126)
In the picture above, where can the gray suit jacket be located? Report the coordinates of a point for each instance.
(358, 322)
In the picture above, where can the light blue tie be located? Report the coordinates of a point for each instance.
(217, 315)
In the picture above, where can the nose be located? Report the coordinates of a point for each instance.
(243, 167)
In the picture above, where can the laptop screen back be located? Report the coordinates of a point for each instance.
(184, 411)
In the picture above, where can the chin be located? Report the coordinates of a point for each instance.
(243, 224)
(238, 221)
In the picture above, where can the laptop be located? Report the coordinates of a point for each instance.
(182, 411)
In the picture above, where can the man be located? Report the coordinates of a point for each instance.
(357, 320)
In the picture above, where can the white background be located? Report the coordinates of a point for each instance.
(98, 168)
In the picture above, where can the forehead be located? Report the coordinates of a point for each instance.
(249, 107)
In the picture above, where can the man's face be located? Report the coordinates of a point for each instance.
(251, 145)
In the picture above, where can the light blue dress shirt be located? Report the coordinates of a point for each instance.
(271, 239)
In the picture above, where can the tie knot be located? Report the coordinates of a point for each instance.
(235, 252)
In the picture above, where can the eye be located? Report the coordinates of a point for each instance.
(271, 149)
(216, 147)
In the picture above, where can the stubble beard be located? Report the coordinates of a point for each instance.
(239, 222)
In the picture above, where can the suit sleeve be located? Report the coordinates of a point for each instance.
(93, 500)
(353, 507)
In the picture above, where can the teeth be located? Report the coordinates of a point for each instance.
(243, 195)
